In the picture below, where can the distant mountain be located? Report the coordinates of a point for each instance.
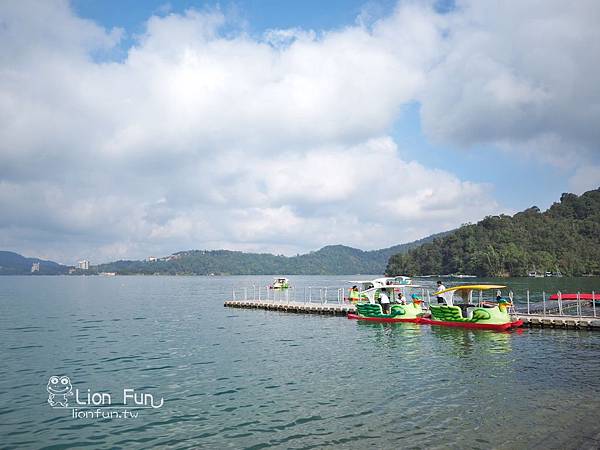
(330, 260)
(564, 238)
(14, 264)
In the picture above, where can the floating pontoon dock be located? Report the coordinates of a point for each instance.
(529, 320)
(335, 309)
(574, 314)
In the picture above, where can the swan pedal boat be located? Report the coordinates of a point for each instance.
(367, 308)
(398, 313)
(483, 315)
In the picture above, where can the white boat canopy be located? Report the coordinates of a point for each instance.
(391, 284)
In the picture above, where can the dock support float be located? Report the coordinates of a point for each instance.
(335, 309)
(546, 321)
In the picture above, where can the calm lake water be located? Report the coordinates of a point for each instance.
(233, 378)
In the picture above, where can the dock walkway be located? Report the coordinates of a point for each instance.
(558, 321)
(336, 309)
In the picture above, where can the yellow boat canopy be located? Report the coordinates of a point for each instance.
(471, 287)
(465, 292)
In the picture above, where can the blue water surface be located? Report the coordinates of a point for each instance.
(235, 378)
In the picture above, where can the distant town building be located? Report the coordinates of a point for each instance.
(152, 259)
(35, 267)
(84, 264)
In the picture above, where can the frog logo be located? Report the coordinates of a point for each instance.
(59, 388)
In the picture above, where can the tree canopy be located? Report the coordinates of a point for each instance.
(564, 238)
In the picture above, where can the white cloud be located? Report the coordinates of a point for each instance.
(521, 75)
(584, 179)
(203, 140)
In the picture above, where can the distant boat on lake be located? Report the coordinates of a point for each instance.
(280, 283)
(536, 274)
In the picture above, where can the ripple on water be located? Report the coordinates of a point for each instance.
(283, 381)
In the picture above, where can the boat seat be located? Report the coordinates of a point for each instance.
(464, 307)
(488, 305)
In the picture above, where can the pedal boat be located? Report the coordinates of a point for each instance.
(580, 296)
(368, 309)
(280, 283)
(483, 315)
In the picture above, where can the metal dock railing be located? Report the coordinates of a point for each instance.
(533, 311)
(559, 313)
(310, 299)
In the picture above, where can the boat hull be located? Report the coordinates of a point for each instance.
(383, 319)
(481, 326)
(574, 297)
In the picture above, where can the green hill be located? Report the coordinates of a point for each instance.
(564, 238)
(14, 264)
(330, 260)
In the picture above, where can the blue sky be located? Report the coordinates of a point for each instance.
(518, 182)
(258, 15)
(279, 126)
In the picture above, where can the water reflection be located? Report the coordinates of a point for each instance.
(461, 342)
(450, 340)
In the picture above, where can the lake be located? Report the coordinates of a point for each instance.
(234, 378)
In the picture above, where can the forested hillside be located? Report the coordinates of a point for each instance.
(14, 264)
(330, 260)
(564, 238)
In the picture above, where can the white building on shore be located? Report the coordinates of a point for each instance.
(84, 264)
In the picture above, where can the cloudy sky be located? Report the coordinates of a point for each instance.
(130, 129)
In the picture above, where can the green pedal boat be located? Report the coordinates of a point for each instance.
(400, 310)
(467, 314)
